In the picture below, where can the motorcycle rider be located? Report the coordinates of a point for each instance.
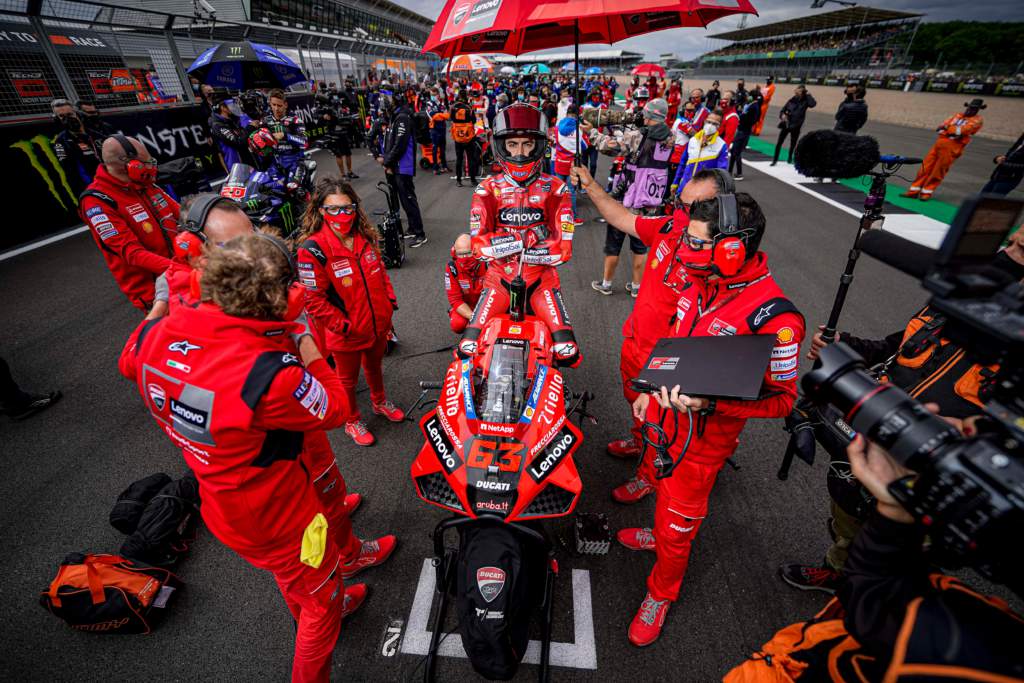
(522, 211)
(463, 282)
(131, 219)
(289, 132)
(233, 394)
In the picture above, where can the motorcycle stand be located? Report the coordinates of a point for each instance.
(445, 562)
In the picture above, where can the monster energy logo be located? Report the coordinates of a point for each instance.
(44, 144)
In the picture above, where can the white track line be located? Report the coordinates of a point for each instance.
(580, 654)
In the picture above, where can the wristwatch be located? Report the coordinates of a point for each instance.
(710, 409)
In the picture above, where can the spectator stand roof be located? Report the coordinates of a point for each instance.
(843, 18)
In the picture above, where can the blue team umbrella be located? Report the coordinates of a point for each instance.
(594, 71)
(569, 66)
(537, 68)
(245, 65)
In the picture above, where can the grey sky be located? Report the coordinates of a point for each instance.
(687, 43)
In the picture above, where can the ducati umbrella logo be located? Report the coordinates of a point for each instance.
(459, 14)
(157, 395)
(490, 581)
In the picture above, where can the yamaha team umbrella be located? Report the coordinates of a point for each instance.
(594, 71)
(245, 65)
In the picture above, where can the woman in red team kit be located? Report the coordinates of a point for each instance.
(348, 295)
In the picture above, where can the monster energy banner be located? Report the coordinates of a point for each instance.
(45, 195)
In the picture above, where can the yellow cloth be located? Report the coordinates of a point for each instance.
(314, 542)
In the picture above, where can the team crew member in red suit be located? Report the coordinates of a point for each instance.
(132, 220)
(522, 212)
(349, 296)
(654, 309)
(723, 287)
(238, 396)
(463, 281)
(730, 117)
(208, 222)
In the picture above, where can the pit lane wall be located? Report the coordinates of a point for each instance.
(40, 197)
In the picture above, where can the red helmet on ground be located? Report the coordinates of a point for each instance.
(520, 120)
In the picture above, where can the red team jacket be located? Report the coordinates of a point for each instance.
(233, 395)
(348, 293)
(749, 302)
(463, 288)
(133, 227)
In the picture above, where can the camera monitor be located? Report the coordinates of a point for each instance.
(979, 229)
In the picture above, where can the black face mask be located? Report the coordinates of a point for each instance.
(71, 122)
(91, 118)
(1003, 262)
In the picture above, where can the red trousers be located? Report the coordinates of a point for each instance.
(681, 507)
(347, 364)
(457, 322)
(543, 296)
(631, 362)
(319, 460)
(936, 165)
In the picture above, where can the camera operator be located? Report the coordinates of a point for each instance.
(232, 139)
(893, 619)
(398, 157)
(336, 139)
(929, 367)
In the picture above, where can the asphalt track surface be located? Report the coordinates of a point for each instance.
(65, 323)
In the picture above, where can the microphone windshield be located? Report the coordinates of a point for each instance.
(829, 154)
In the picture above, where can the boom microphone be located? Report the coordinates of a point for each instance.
(905, 256)
(893, 159)
(828, 154)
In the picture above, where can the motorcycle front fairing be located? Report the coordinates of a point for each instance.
(499, 442)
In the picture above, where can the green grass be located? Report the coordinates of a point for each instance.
(935, 209)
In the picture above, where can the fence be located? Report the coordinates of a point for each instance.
(124, 58)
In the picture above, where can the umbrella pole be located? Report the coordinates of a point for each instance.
(576, 91)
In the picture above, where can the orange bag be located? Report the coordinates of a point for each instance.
(108, 594)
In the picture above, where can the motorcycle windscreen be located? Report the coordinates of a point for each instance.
(234, 185)
(502, 393)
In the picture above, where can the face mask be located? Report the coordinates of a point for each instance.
(70, 122)
(466, 264)
(521, 98)
(710, 129)
(1003, 262)
(696, 263)
(340, 223)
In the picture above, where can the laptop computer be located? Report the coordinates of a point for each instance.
(713, 367)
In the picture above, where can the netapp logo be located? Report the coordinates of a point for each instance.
(501, 429)
(193, 416)
(553, 455)
(520, 217)
(442, 446)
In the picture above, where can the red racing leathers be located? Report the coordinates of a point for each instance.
(317, 455)
(536, 221)
(133, 227)
(232, 394)
(749, 302)
(462, 286)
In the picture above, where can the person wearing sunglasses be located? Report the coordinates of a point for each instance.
(348, 296)
(463, 282)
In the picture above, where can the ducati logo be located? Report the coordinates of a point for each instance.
(183, 347)
(157, 395)
(490, 581)
(459, 14)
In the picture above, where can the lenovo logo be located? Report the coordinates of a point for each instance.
(553, 455)
(444, 448)
(520, 217)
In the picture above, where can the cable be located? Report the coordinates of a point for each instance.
(661, 444)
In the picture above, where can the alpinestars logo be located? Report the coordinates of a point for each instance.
(183, 347)
(490, 581)
(762, 314)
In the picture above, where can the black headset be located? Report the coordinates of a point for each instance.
(283, 248)
(199, 210)
(129, 148)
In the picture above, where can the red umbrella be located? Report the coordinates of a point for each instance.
(648, 70)
(621, 19)
(473, 26)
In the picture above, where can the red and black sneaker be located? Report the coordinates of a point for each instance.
(371, 554)
(808, 577)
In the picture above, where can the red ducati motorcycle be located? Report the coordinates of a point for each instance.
(498, 453)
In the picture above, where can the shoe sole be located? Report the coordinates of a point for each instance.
(647, 644)
(346, 577)
(361, 445)
(802, 587)
(417, 245)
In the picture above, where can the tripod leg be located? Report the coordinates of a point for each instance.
(445, 576)
(545, 632)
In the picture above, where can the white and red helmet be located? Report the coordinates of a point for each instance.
(520, 120)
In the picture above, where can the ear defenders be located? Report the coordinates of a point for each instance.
(729, 250)
(138, 171)
(296, 292)
(189, 241)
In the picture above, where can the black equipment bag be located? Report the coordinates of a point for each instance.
(390, 230)
(167, 526)
(499, 583)
(133, 500)
(421, 128)
(185, 176)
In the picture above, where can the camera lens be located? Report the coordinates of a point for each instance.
(882, 412)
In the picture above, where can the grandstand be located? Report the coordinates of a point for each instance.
(849, 40)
